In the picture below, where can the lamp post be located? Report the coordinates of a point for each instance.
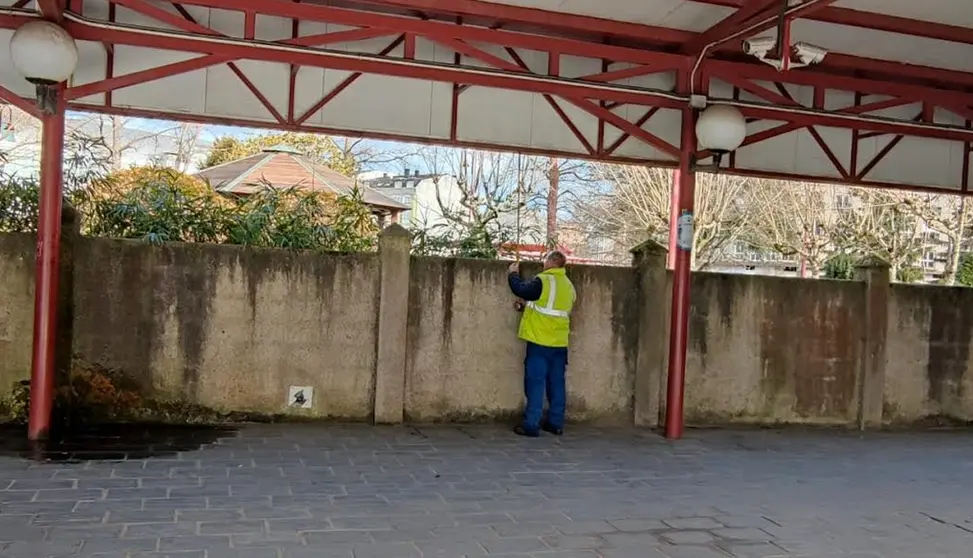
(46, 55)
(719, 129)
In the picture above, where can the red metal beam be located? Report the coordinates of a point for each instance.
(345, 84)
(109, 59)
(837, 120)
(664, 163)
(43, 365)
(8, 96)
(570, 124)
(727, 26)
(855, 140)
(881, 155)
(292, 75)
(256, 92)
(409, 52)
(536, 18)
(399, 24)
(237, 49)
(625, 73)
(622, 138)
(835, 61)
(441, 30)
(144, 76)
(176, 68)
(183, 20)
(344, 132)
(718, 69)
(601, 123)
(831, 180)
(493, 80)
(624, 125)
(828, 152)
(477, 76)
(757, 90)
(877, 21)
(52, 10)
(553, 69)
(549, 21)
(683, 206)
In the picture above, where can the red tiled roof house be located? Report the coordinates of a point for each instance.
(284, 167)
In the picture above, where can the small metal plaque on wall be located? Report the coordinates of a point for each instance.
(300, 397)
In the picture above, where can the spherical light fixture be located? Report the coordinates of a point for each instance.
(46, 55)
(720, 129)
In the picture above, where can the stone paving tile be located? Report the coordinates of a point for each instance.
(302, 491)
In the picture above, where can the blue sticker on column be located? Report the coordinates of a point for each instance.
(684, 231)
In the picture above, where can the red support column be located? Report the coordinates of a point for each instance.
(684, 201)
(673, 220)
(46, 281)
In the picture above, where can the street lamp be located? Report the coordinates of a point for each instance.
(46, 55)
(720, 129)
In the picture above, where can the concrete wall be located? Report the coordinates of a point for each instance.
(16, 307)
(394, 338)
(465, 361)
(770, 349)
(228, 327)
(929, 370)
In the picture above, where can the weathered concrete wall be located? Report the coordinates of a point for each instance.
(929, 370)
(767, 349)
(233, 328)
(465, 361)
(16, 307)
(230, 328)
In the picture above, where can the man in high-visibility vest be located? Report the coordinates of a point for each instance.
(545, 326)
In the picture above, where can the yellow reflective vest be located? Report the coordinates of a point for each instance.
(547, 321)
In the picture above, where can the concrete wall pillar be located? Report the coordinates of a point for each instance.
(649, 259)
(871, 384)
(394, 246)
(70, 234)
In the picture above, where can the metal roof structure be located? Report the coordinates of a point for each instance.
(889, 104)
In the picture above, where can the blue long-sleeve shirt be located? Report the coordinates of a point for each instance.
(527, 290)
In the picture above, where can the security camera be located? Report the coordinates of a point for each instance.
(809, 54)
(759, 46)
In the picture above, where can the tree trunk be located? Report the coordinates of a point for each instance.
(554, 180)
(956, 248)
(116, 143)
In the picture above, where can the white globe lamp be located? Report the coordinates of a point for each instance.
(720, 129)
(46, 55)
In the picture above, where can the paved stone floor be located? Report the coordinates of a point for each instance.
(448, 492)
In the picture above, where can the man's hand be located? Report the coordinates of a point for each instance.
(514, 268)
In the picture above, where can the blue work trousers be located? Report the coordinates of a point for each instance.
(544, 370)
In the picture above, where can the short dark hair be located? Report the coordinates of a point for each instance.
(556, 258)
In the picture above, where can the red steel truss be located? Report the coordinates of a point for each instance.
(934, 87)
(475, 31)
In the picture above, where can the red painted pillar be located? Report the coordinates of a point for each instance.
(46, 280)
(684, 201)
(673, 219)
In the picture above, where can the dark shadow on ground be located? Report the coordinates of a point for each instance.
(110, 442)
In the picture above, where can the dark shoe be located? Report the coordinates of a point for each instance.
(551, 430)
(521, 431)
